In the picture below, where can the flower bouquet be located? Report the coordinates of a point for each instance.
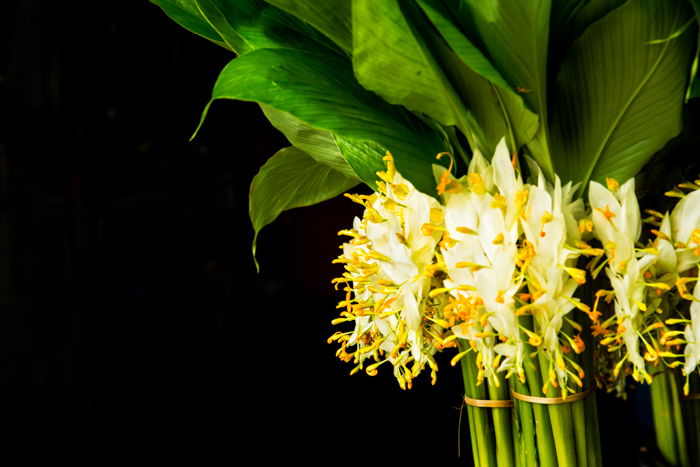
(499, 143)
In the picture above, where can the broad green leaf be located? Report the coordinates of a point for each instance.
(187, 14)
(212, 12)
(694, 82)
(569, 18)
(619, 94)
(290, 179)
(392, 61)
(331, 17)
(445, 22)
(319, 144)
(320, 90)
(592, 11)
(247, 25)
(496, 110)
(515, 37)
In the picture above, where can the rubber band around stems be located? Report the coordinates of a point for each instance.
(489, 403)
(577, 396)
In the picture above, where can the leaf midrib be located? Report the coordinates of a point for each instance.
(626, 107)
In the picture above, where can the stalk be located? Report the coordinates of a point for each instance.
(662, 419)
(591, 429)
(676, 414)
(543, 426)
(560, 418)
(502, 424)
(667, 414)
(525, 423)
(472, 431)
(578, 411)
(481, 424)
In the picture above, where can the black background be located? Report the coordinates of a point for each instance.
(132, 321)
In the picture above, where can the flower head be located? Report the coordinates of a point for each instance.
(389, 272)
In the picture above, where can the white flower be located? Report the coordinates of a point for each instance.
(692, 333)
(388, 278)
(617, 223)
(685, 225)
(480, 254)
(550, 225)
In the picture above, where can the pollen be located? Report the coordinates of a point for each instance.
(476, 183)
(585, 225)
(579, 275)
(499, 201)
(606, 212)
(613, 185)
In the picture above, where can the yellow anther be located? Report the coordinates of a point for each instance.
(683, 290)
(499, 297)
(585, 225)
(579, 275)
(499, 239)
(675, 194)
(521, 197)
(446, 183)
(473, 267)
(435, 292)
(659, 234)
(476, 183)
(400, 190)
(499, 201)
(458, 357)
(613, 185)
(695, 237)
(466, 231)
(606, 212)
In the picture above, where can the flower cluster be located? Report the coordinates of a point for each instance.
(494, 265)
(510, 251)
(648, 282)
(389, 273)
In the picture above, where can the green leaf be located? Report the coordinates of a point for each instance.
(290, 179)
(331, 17)
(445, 22)
(320, 90)
(247, 25)
(495, 109)
(618, 95)
(393, 62)
(694, 82)
(515, 37)
(319, 144)
(187, 14)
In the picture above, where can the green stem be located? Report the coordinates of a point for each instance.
(472, 431)
(543, 426)
(525, 423)
(578, 410)
(481, 424)
(663, 419)
(677, 417)
(502, 424)
(562, 430)
(585, 359)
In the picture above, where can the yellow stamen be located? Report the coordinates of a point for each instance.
(612, 184)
